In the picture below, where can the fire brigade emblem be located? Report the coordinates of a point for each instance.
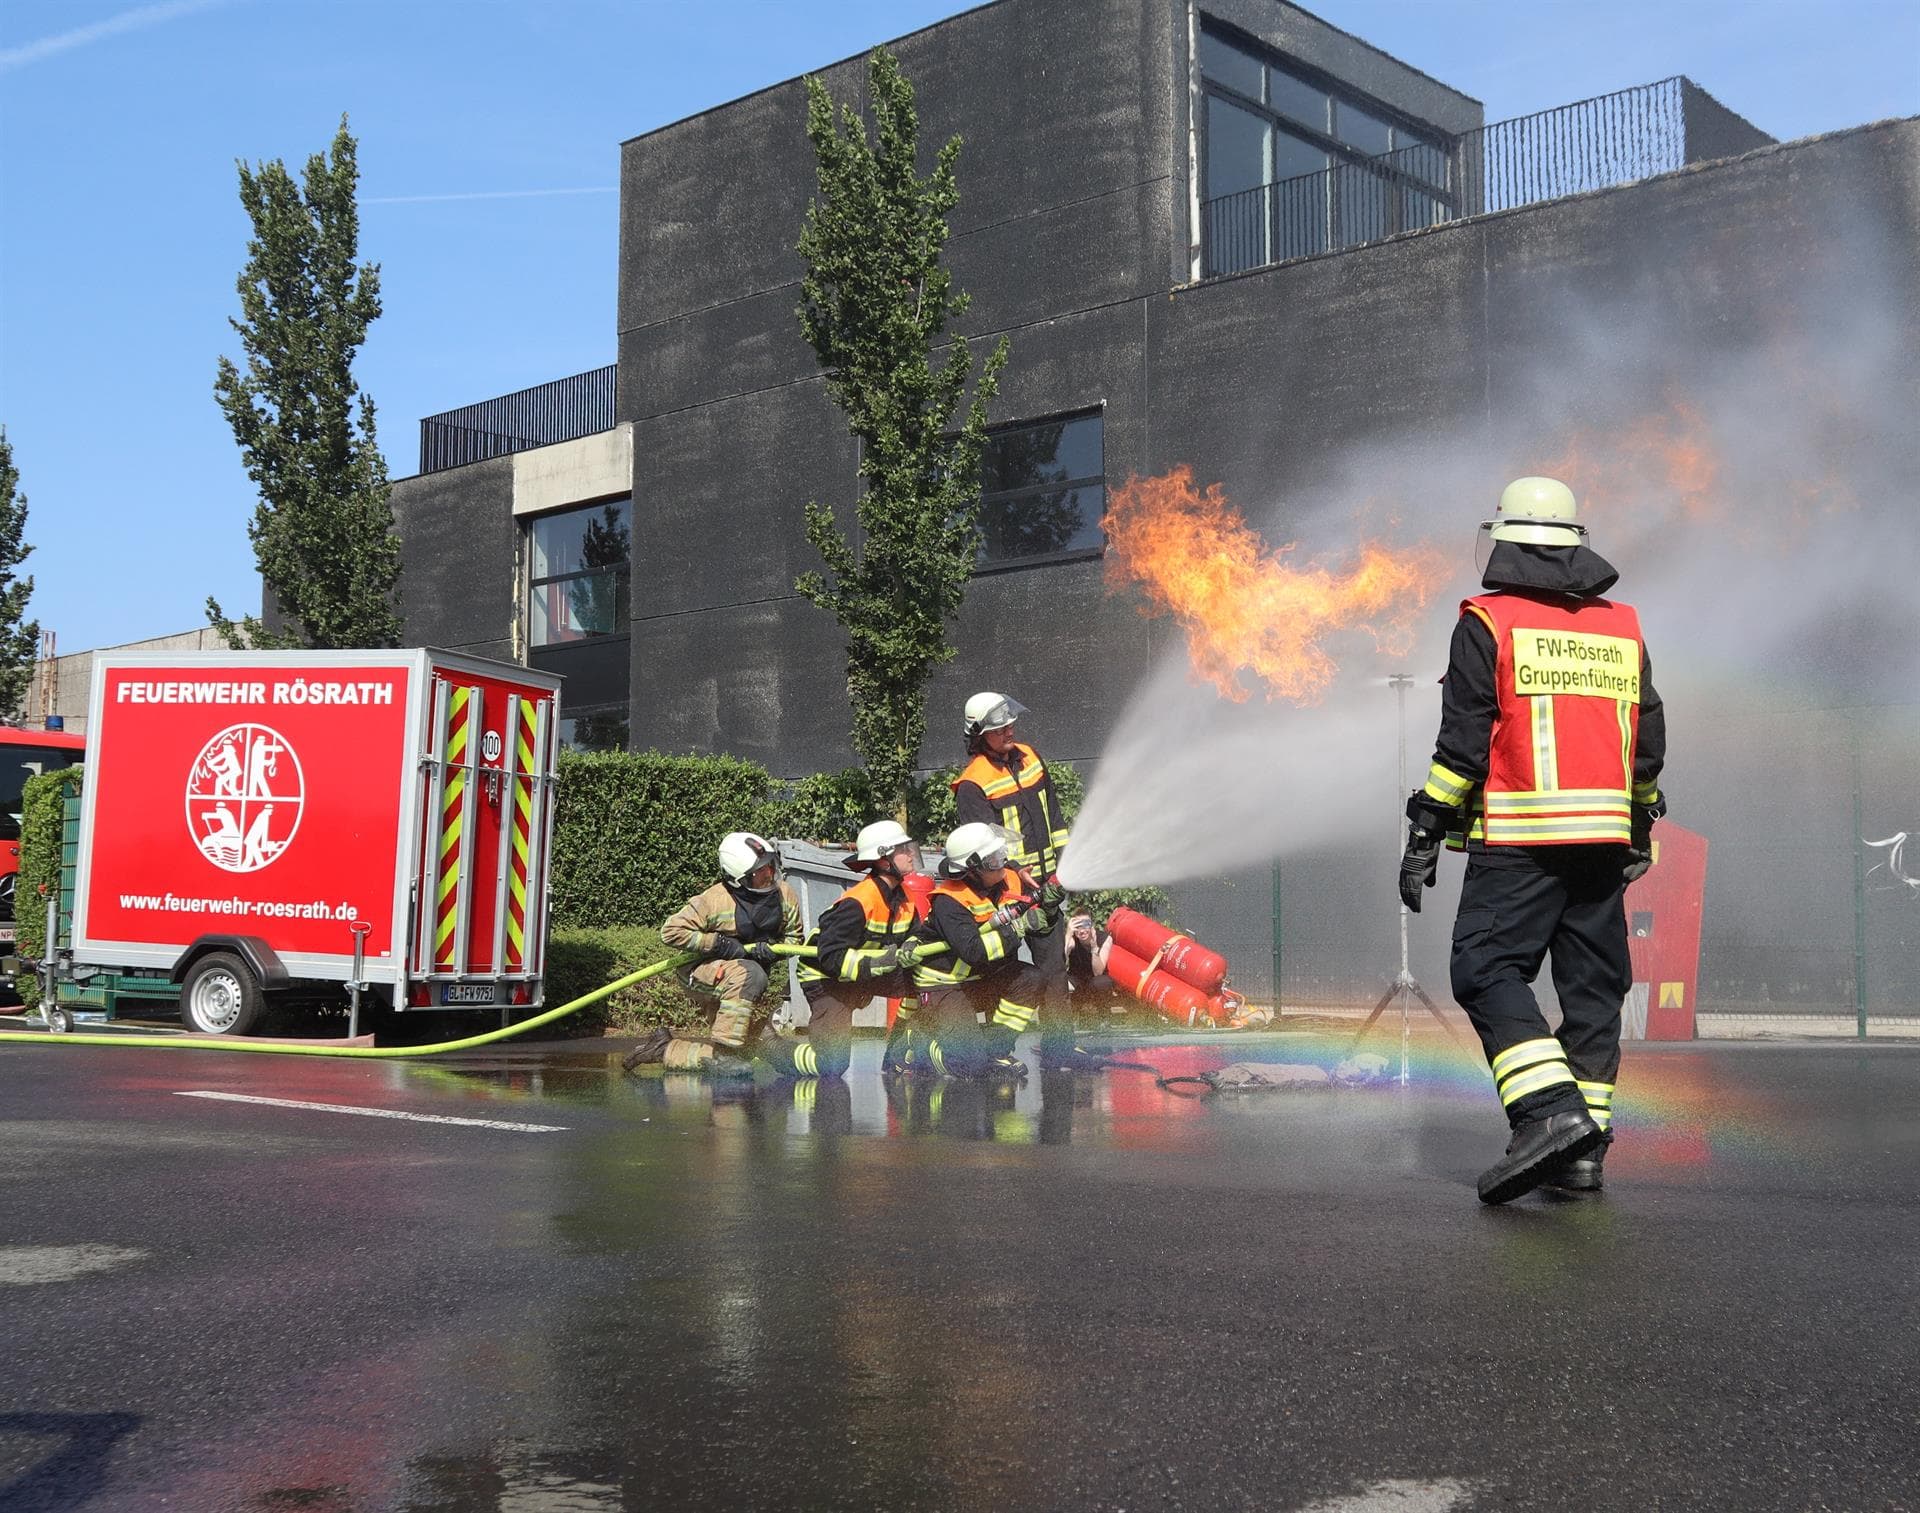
(244, 797)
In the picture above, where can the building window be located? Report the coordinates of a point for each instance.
(579, 571)
(1291, 166)
(1043, 492)
(603, 729)
(579, 577)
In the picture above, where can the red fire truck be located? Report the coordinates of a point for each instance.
(285, 825)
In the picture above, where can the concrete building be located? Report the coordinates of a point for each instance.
(1219, 233)
(62, 685)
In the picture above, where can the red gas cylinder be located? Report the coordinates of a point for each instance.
(1186, 959)
(1180, 1001)
(920, 889)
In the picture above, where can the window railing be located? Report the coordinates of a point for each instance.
(1612, 139)
(564, 410)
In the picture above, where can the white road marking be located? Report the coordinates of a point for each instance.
(1396, 1497)
(376, 1113)
(23, 1265)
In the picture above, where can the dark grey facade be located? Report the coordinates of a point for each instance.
(1079, 238)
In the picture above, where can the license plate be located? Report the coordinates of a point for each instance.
(467, 992)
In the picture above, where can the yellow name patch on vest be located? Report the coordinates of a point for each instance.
(1570, 662)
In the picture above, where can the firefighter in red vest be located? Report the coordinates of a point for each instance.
(856, 955)
(982, 908)
(1005, 783)
(1546, 773)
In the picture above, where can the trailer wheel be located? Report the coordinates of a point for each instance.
(221, 996)
(59, 1021)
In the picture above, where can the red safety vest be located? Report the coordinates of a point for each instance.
(1560, 770)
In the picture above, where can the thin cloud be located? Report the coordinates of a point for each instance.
(483, 194)
(114, 26)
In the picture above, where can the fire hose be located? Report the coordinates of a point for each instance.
(377, 1053)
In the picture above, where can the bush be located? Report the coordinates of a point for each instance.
(578, 961)
(635, 832)
(42, 814)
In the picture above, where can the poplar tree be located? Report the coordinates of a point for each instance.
(322, 527)
(19, 636)
(876, 307)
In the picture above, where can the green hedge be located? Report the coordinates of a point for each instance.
(635, 832)
(42, 812)
(578, 961)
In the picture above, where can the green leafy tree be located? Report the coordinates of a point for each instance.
(322, 530)
(19, 636)
(877, 304)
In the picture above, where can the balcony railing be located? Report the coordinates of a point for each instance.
(564, 410)
(1613, 139)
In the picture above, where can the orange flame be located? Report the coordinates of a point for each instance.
(1670, 452)
(1242, 605)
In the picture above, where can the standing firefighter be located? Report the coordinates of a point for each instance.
(734, 925)
(1547, 773)
(856, 955)
(1005, 784)
(981, 909)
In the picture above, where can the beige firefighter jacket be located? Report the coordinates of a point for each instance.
(699, 923)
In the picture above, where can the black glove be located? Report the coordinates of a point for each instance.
(1640, 852)
(885, 963)
(727, 948)
(762, 953)
(1052, 895)
(1428, 824)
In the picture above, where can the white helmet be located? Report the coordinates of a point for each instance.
(990, 711)
(976, 845)
(880, 839)
(1537, 512)
(743, 853)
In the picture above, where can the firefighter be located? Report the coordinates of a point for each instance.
(856, 955)
(1546, 773)
(734, 925)
(981, 909)
(1005, 783)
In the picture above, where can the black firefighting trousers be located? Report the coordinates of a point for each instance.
(828, 1046)
(1519, 905)
(948, 1031)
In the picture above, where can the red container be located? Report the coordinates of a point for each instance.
(1180, 1001)
(1185, 959)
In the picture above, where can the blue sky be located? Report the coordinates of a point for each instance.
(121, 233)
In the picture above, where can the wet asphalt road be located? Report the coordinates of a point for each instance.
(1074, 1296)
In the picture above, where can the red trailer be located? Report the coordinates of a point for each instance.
(257, 824)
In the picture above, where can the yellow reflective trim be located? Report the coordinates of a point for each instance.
(996, 947)
(1447, 786)
(1546, 761)
(937, 1056)
(1526, 1053)
(1646, 793)
(1593, 1090)
(1016, 1017)
(1600, 1116)
(1622, 711)
(1532, 1080)
(1535, 832)
(1563, 799)
(804, 1060)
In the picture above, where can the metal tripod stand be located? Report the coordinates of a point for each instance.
(1405, 987)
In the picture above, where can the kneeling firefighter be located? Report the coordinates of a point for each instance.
(856, 955)
(1546, 773)
(981, 909)
(733, 925)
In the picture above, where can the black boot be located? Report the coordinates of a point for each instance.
(651, 1047)
(1583, 1174)
(1538, 1149)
